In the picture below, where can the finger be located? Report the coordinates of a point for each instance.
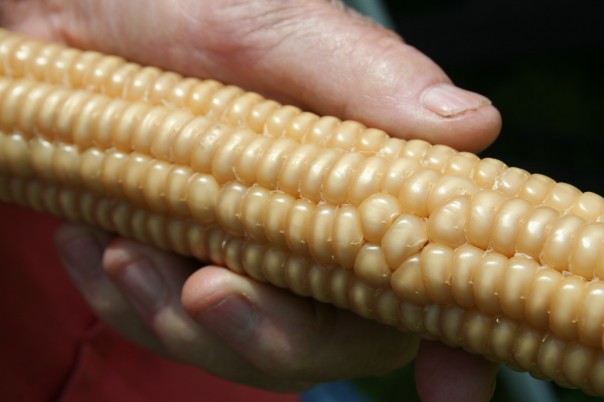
(450, 374)
(292, 337)
(311, 53)
(80, 249)
(152, 280)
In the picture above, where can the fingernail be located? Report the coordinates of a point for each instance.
(143, 285)
(233, 318)
(82, 256)
(447, 100)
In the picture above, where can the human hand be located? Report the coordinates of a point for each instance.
(311, 53)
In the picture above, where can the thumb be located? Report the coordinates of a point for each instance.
(314, 53)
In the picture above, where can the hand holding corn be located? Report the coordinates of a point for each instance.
(327, 91)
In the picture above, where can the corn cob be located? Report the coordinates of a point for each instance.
(501, 262)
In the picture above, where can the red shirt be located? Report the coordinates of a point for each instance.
(52, 347)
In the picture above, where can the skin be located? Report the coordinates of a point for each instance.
(211, 318)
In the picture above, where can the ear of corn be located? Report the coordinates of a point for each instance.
(501, 262)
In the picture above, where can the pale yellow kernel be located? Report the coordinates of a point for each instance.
(438, 157)
(49, 111)
(502, 340)
(387, 307)
(155, 184)
(245, 166)
(201, 198)
(65, 164)
(15, 155)
(432, 316)
(560, 240)
(294, 167)
(370, 141)
(115, 83)
(407, 283)
(253, 211)
(590, 322)
(416, 149)
(542, 287)
(466, 260)
(272, 161)
(366, 180)
(179, 94)
(476, 330)
(156, 227)
(320, 241)
(415, 192)
(588, 206)
(176, 236)
(300, 125)
(392, 148)
(91, 167)
(296, 275)
(253, 260)
(347, 236)
(345, 135)
(549, 357)
(362, 299)
(273, 266)
(258, 116)
(462, 164)
(23, 112)
(377, 214)
(227, 154)
(318, 282)
(436, 264)
(370, 266)
(586, 256)
(165, 133)
(278, 121)
(141, 140)
(222, 99)
(562, 196)
(484, 208)
(451, 320)
(596, 374)
(197, 241)
(487, 283)
(406, 236)
(411, 318)
(97, 77)
(186, 139)
(447, 225)
(565, 305)
(509, 221)
(199, 99)
(105, 126)
(298, 225)
(487, 171)
(526, 347)
(397, 174)
(534, 231)
(134, 177)
(114, 165)
(139, 229)
(515, 288)
(311, 181)
(511, 181)
(339, 178)
(176, 189)
(204, 147)
(275, 217)
(577, 361)
(321, 129)
(233, 253)
(339, 284)
(81, 66)
(237, 114)
(449, 187)
(138, 88)
(536, 188)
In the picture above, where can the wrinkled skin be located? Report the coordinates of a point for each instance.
(312, 53)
